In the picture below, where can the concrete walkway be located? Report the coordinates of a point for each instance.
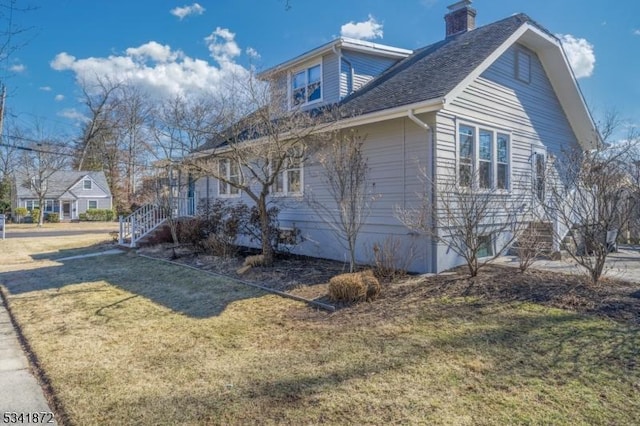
(623, 264)
(19, 389)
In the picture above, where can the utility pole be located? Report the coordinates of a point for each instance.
(3, 96)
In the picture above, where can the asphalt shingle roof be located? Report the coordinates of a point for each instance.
(429, 73)
(433, 71)
(59, 182)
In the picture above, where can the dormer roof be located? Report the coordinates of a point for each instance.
(352, 44)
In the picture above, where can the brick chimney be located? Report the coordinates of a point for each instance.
(461, 18)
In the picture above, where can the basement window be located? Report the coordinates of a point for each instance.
(485, 248)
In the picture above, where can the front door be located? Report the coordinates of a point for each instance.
(66, 210)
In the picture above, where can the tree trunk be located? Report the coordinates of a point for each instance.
(265, 228)
(352, 255)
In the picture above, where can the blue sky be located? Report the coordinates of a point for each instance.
(172, 46)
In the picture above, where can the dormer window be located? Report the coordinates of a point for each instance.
(306, 86)
(87, 184)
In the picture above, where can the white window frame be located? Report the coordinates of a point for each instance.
(283, 177)
(89, 204)
(225, 189)
(84, 186)
(475, 162)
(305, 70)
(523, 66)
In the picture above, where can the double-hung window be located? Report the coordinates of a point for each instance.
(87, 184)
(32, 204)
(306, 85)
(289, 180)
(48, 206)
(484, 160)
(229, 178)
(92, 204)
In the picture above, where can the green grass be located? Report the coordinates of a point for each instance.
(130, 340)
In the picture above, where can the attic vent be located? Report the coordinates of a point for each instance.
(461, 18)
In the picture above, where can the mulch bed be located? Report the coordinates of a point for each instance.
(308, 277)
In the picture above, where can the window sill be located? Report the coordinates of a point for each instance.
(288, 194)
(306, 104)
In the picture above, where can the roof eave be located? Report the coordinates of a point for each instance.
(339, 43)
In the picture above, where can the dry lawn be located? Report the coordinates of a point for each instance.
(128, 340)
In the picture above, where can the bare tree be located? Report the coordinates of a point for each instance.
(38, 164)
(132, 113)
(590, 196)
(177, 128)
(261, 148)
(100, 100)
(345, 172)
(476, 224)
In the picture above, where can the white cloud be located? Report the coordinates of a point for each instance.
(45, 88)
(252, 53)
(72, 114)
(580, 54)
(184, 11)
(636, 32)
(59, 98)
(222, 45)
(154, 51)
(160, 70)
(17, 68)
(367, 30)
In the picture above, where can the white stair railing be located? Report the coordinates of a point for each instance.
(148, 217)
(140, 223)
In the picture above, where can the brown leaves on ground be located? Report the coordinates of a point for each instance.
(308, 277)
(613, 299)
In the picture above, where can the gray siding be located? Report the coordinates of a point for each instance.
(365, 68)
(529, 112)
(396, 151)
(330, 79)
(95, 191)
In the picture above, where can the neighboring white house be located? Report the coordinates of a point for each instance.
(498, 99)
(68, 193)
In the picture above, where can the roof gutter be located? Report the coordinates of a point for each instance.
(391, 113)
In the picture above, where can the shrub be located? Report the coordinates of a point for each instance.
(217, 246)
(354, 287)
(190, 232)
(53, 217)
(390, 261)
(221, 222)
(98, 215)
(21, 212)
(35, 215)
(82, 217)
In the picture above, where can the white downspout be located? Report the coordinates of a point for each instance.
(417, 120)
